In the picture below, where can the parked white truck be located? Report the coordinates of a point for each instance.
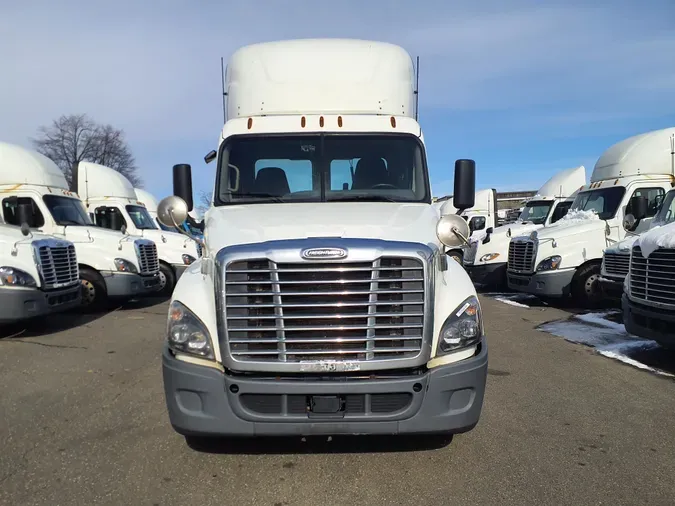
(629, 178)
(486, 258)
(38, 273)
(111, 200)
(649, 288)
(111, 264)
(324, 302)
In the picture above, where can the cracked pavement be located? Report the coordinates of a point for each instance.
(83, 421)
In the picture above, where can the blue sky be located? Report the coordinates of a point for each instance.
(523, 87)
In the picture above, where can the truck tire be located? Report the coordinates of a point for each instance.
(167, 280)
(586, 289)
(94, 292)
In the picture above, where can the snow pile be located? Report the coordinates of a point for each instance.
(578, 216)
(624, 245)
(657, 237)
(511, 302)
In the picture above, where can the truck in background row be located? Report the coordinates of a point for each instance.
(616, 258)
(481, 217)
(565, 259)
(649, 288)
(38, 273)
(324, 302)
(487, 256)
(150, 203)
(111, 264)
(111, 201)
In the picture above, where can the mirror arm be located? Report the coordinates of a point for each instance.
(458, 234)
(183, 231)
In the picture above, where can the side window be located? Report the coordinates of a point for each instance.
(560, 211)
(477, 223)
(276, 173)
(9, 214)
(109, 217)
(654, 199)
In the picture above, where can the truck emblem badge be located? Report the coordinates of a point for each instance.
(323, 253)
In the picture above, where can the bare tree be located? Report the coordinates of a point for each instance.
(77, 138)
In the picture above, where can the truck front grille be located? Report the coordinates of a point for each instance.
(58, 265)
(521, 256)
(325, 311)
(653, 279)
(616, 264)
(148, 261)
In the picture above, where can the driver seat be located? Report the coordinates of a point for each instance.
(370, 170)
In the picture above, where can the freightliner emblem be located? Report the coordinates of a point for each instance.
(323, 253)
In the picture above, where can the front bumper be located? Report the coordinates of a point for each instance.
(649, 322)
(126, 284)
(488, 274)
(611, 286)
(547, 284)
(23, 303)
(203, 401)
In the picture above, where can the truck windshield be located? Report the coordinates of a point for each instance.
(666, 213)
(141, 218)
(66, 210)
(322, 168)
(536, 212)
(604, 201)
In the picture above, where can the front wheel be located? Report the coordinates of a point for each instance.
(93, 290)
(167, 280)
(586, 288)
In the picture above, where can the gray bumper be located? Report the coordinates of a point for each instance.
(550, 284)
(22, 303)
(487, 274)
(180, 269)
(206, 402)
(649, 322)
(126, 284)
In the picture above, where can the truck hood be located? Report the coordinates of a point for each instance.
(82, 234)
(574, 227)
(171, 245)
(516, 229)
(254, 223)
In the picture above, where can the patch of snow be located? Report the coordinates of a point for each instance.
(511, 302)
(578, 216)
(657, 237)
(601, 319)
(620, 351)
(623, 246)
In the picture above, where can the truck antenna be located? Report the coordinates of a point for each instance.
(222, 84)
(672, 154)
(417, 87)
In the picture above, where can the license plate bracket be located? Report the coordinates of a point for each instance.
(326, 405)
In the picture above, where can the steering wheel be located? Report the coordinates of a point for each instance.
(384, 185)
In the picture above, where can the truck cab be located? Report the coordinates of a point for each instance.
(38, 273)
(487, 256)
(111, 264)
(324, 302)
(480, 218)
(648, 300)
(565, 259)
(111, 200)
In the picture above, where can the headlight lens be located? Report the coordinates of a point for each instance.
(550, 263)
(186, 333)
(187, 259)
(489, 257)
(463, 328)
(125, 265)
(9, 276)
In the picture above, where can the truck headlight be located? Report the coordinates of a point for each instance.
(9, 276)
(550, 263)
(464, 327)
(489, 257)
(188, 259)
(186, 333)
(123, 265)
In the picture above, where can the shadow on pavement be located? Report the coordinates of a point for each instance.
(318, 444)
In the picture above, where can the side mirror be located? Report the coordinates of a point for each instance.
(465, 184)
(629, 222)
(639, 206)
(489, 230)
(172, 211)
(182, 185)
(123, 229)
(210, 156)
(24, 215)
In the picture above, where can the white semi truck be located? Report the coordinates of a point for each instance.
(629, 178)
(324, 302)
(649, 287)
(111, 201)
(481, 217)
(487, 256)
(38, 273)
(111, 264)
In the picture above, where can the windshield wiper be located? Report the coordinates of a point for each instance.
(374, 198)
(64, 223)
(272, 198)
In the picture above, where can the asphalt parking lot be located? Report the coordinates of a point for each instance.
(83, 421)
